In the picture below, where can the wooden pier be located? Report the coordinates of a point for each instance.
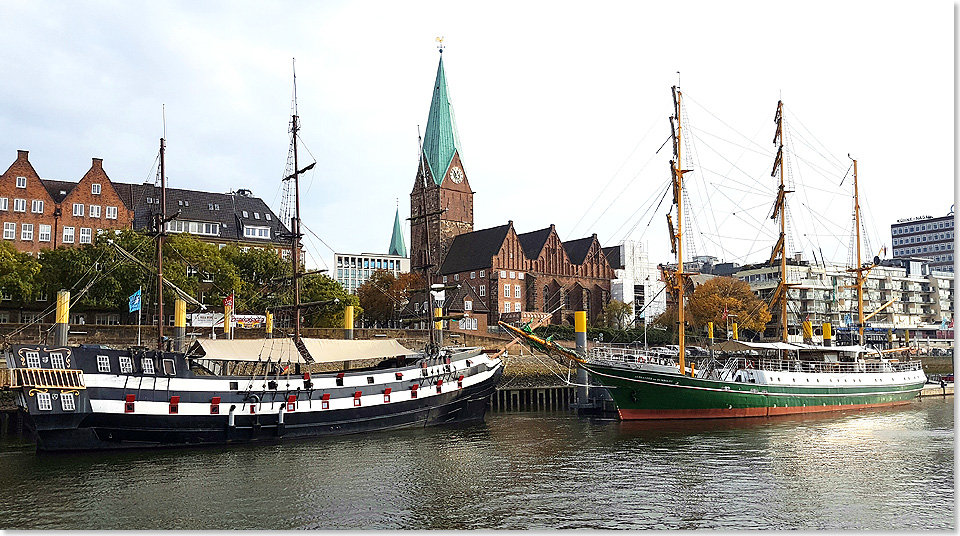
(557, 398)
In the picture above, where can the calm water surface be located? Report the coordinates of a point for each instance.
(888, 469)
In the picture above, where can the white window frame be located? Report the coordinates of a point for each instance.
(473, 275)
(68, 234)
(57, 360)
(9, 230)
(482, 272)
(513, 275)
(516, 307)
(111, 213)
(506, 290)
(26, 232)
(36, 206)
(503, 274)
(482, 290)
(43, 402)
(95, 188)
(516, 291)
(519, 275)
(95, 211)
(467, 305)
(506, 307)
(86, 235)
(147, 365)
(126, 364)
(19, 205)
(4, 203)
(103, 363)
(21, 182)
(78, 209)
(68, 402)
(43, 235)
(33, 359)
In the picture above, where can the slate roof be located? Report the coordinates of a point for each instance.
(612, 253)
(195, 205)
(454, 299)
(440, 138)
(473, 251)
(534, 241)
(58, 190)
(577, 249)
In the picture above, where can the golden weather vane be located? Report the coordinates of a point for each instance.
(440, 47)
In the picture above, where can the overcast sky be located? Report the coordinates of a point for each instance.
(561, 108)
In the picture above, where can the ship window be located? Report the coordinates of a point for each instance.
(369, 379)
(147, 364)
(103, 363)
(43, 402)
(67, 402)
(56, 360)
(33, 359)
(168, 368)
(126, 364)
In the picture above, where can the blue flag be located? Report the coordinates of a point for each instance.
(135, 301)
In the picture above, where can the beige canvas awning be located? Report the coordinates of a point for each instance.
(284, 351)
(740, 346)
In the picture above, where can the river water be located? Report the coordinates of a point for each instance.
(882, 469)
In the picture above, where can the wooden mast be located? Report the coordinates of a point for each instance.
(780, 211)
(295, 221)
(160, 222)
(859, 267)
(676, 169)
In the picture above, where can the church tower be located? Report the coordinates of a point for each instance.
(441, 194)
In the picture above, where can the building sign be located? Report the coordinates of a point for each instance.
(215, 320)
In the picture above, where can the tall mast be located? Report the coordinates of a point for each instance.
(160, 221)
(426, 239)
(780, 212)
(676, 169)
(295, 220)
(859, 267)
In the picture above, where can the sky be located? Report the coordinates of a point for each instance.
(561, 108)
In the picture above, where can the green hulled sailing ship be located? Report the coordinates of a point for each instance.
(739, 378)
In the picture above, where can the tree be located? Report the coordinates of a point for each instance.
(727, 296)
(384, 295)
(322, 287)
(616, 313)
(18, 273)
(264, 276)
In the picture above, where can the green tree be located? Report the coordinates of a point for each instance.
(18, 273)
(616, 313)
(384, 294)
(264, 277)
(186, 261)
(322, 287)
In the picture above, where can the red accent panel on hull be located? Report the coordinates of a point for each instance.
(653, 414)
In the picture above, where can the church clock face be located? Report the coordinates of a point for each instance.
(456, 175)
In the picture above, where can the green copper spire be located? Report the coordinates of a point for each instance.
(440, 141)
(396, 242)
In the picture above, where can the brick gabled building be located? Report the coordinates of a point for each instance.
(519, 277)
(43, 214)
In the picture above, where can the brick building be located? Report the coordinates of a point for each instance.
(43, 214)
(498, 273)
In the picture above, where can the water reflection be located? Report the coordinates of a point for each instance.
(877, 469)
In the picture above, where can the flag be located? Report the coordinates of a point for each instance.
(135, 301)
(285, 368)
(951, 323)
(724, 317)
(228, 301)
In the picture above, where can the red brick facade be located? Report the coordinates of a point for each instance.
(33, 219)
(449, 212)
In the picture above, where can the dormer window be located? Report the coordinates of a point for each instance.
(21, 182)
(216, 206)
(245, 215)
(95, 189)
(267, 215)
(256, 215)
(209, 206)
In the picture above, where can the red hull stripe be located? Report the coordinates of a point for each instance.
(723, 413)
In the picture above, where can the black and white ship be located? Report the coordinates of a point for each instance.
(91, 397)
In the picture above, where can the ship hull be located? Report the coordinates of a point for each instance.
(133, 410)
(645, 395)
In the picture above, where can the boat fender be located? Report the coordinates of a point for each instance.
(230, 421)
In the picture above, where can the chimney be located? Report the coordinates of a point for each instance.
(22, 155)
(97, 163)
